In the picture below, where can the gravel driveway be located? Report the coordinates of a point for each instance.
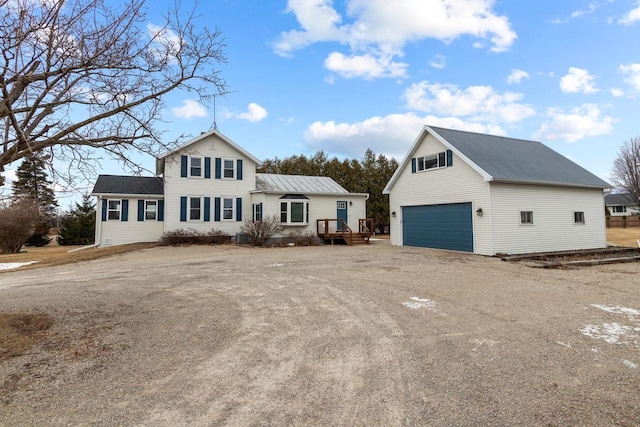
(330, 335)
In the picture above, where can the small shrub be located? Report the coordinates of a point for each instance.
(302, 239)
(260, 232)
(40, 236)
(17, 222)
(189, 236)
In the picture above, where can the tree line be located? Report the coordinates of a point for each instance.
(367, 175)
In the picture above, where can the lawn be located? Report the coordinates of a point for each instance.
(623, 236)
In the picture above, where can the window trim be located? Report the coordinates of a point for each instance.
(234, 168)
(232, 208)
(615, 209)
(288, 211)
(155, 211)
(189, 209)
(526, 218)
(578, 217)
(189, 167)
(118, 210)
(440, 158)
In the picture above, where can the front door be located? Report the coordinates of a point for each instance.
(341, 213)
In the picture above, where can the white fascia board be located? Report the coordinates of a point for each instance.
(128, 196)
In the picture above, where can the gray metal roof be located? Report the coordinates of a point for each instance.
(518, 160)
(623, 199)
(119, 184)
(277, 183)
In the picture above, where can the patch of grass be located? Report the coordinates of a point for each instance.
(20, 331)
(623, 236)
(58, 255)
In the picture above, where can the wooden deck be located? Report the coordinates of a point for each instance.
(334, 229)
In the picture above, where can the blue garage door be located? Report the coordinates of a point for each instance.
(438, 226)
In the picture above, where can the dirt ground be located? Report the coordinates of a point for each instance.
(330, 335)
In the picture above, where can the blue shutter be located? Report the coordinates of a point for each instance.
(125, 209)
(449, 158)
(239, 209)
(104, 209)
(207, 209)
(183, 166)
(183, 209)
(140, 210)
(413, 165)
(216, 209)
(239, 170)
(218, 171)
(160, 210)
(207, 167)
(260, 212)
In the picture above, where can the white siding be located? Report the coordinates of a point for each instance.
(320, 207)
(176, 186)
(456, 184)
(113, 233)
(553, 226)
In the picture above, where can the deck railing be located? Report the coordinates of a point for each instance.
(337, 228)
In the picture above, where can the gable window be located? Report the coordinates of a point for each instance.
(195, 166)
(229, 169)
(151, 210)
(578, 217)
(526, 217)
(432, 162)
(619, 209)
(114, 210)
(294, 209)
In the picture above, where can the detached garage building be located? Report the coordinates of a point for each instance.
(489, 194)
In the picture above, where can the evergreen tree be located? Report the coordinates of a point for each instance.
(33, 183)
(78, 226)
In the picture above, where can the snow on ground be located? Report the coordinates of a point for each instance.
(416, 303)
(614, 332)
(10, 265)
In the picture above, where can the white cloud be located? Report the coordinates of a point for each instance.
(577, 80)
(254, 113)
(166, 43)
(9, 177)
(617, 93)
(439, 62)
(631, 17)
(517, 76)
(380, 29)
(190, 109)
(477, 103)
(391, 135)
(632, 72)
(580, 122)
(366, 66)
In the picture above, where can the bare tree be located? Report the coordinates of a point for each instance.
(80, 75)
(626, 168)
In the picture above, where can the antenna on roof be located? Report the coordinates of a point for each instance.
(215, 125)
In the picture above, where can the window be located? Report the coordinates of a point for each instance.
(431, 162)
(151, 210)
(228, 169)
(113, 210)
(578, 217)
(526, 217)
(294, 212)
(257, 212)
(619, 209)
(195, 166)
(227, 208)
(195, 208)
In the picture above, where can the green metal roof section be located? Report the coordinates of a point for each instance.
(511, 160)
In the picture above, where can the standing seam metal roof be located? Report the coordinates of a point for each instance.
(297, 184)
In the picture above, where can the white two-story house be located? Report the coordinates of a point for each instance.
(210, 183)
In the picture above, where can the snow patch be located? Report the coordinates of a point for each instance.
(12, 265)
(275, 265)
(417, 303)
(630, 364)
(614, 332)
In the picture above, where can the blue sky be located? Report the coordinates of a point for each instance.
(344, 76)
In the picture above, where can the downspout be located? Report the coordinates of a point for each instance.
(98, 233)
